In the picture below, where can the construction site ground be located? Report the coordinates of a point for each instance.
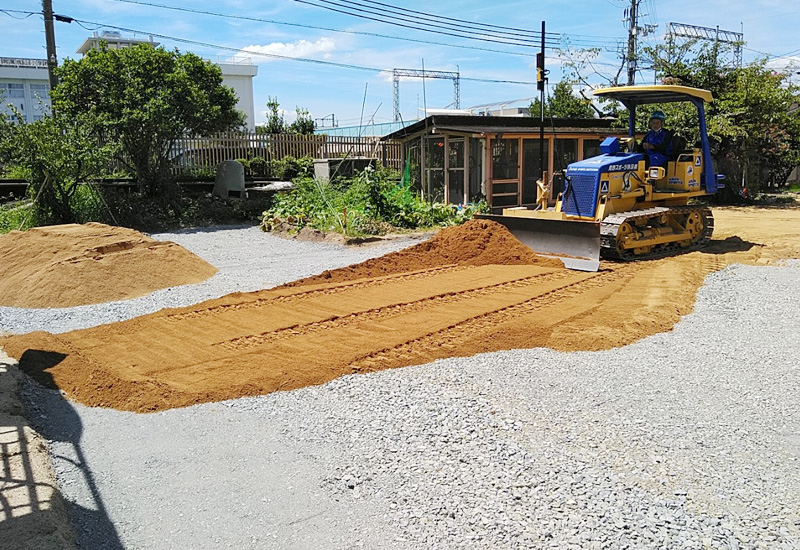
(474, 290)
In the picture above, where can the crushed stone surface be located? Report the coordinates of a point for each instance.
(687, 439)
(683, 439)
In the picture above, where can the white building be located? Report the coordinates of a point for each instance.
(237, 74)
(24, 84)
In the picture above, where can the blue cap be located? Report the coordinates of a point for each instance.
(659, 115)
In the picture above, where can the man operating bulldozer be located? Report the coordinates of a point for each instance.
(658, 141)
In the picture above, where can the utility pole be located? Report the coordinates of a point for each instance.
(632, 29)
(541, 79)
(50, 38)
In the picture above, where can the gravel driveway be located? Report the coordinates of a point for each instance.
(688, 439)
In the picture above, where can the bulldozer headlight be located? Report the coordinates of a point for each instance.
(656, 173)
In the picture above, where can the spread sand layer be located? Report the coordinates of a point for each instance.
(72, 265)
(471, 289)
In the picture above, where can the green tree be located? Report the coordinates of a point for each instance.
(563, 104)
(57, 154)
(275, 122)
(144, 99)
(303, 124)
(6, 134)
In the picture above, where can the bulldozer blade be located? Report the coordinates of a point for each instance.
(576, 244)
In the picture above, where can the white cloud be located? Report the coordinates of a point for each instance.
(300, 48)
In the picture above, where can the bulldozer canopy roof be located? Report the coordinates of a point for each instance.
(641, 95)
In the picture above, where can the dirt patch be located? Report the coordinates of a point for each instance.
(72, 265)
(477, 242)
(468, 290)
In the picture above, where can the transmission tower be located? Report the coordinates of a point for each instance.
(709, 34)
(424, 73)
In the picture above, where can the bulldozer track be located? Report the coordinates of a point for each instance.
(448, 337)
(316, 292)
(382, 313)
(609, 229)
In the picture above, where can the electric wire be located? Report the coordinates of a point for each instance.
(26, 13)
(551, 38)
(458, 23)
(590, 40)
(436, 28)
(278, 56)
(315, 27)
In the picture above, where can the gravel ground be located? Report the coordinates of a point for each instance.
(688, 439)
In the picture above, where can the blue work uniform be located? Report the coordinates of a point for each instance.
(662, 143)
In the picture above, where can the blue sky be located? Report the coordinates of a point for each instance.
(363, 94)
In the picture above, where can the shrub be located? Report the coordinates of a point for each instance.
(290, 167)
(259, 167)
(371, 203)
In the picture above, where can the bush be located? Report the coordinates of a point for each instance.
(17, 216)
(289, 168)
(259, 167)
(372, 203)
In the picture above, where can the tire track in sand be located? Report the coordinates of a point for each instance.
(386, 312)
(315, 292)
(431, 344)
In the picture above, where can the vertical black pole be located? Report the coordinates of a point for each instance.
(540, 83)
(632, 44)
(50, 39)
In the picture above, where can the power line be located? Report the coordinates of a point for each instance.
(578, 38)
(315, 27)
(27, 14)
(469, 25)
(277, 56)
(438, 29)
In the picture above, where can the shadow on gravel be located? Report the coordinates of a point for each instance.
(57, 420)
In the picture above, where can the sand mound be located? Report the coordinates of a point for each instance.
(477, 242)
(71, 265)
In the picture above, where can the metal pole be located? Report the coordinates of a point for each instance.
(50, 38)
(632, 45)
(541, 118)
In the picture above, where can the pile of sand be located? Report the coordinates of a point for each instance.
(72, 265)
(477, 242)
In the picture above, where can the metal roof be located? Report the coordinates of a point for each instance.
(640, 95)
(471, 124)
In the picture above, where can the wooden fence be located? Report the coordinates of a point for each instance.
(192, 153)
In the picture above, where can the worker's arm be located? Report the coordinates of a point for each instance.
(663, 145)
